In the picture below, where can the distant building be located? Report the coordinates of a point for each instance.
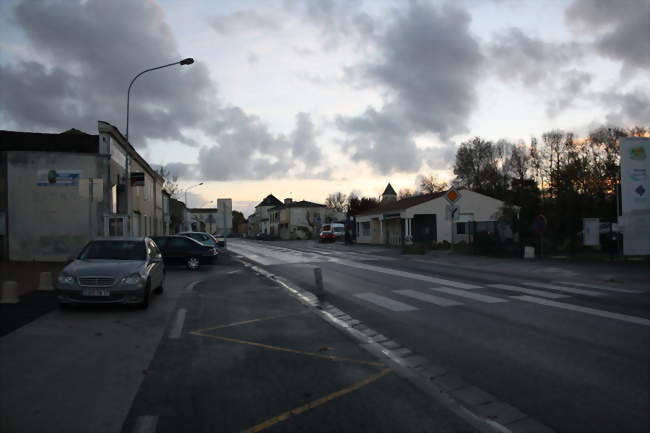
(300, 220)
(425, 218)
(213, 220)
(57, 191)
(262, 224)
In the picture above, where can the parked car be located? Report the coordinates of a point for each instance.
(183, 249)
(115, 270)
(204, 238)
(221, 239)
(326, 236)
(337, 229)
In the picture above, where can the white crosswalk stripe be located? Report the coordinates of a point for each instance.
(586, 310)
(385, 302)
(469, 295)
(528, 291)
(441, 302)
(563, 289)
(600, 287)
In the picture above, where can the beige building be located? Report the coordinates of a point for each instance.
(57, 191)
(261, 220)
(300, 220)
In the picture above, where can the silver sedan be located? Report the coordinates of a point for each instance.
(115, 270)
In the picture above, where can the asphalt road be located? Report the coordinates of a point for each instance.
(574, 356)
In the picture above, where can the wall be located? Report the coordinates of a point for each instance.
(53, 221)
(224, 218)
(481, 208)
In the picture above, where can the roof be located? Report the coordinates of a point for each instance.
(402, 204)
(389, 190)
(73, 142)
(270, 200)
(301, 203)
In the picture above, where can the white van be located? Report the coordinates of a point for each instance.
(337, 229)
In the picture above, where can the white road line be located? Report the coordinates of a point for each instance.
(600, 287)
(470, 295)
(404, 274)
(190, 286)
(385, 302)
(563, 289)
(145, 424)
(529, 291)
(442, 302)
(175, 333)
(586, 310)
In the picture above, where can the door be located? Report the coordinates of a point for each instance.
(424, 229)
(178, 248)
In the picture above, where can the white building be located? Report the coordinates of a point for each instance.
(262, 224)
(57, 191)
(300, 220)
(425, 219)
(212, 220)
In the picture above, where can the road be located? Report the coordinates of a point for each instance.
(575, 356)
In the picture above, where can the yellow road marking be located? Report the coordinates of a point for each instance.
(243, 322)
(285, 349)
(311, 405)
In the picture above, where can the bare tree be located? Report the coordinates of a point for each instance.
(404, 193)
(431, 184)
(171, 182)
(336, 201)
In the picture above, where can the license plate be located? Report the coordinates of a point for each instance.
(95, 292)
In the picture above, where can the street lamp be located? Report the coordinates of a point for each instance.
(189, 188)
(187, 61)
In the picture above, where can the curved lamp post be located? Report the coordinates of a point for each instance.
(187, 61)
(189, 188)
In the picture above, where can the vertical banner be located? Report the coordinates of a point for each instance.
(635, 195)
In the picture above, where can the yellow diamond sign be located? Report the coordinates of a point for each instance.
(452, 196)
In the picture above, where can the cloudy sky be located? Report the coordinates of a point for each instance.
(303, 98)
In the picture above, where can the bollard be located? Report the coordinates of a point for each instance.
(318, 277)
(45, 283)
(529, 252)
(9, 294)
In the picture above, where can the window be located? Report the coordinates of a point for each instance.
(460, 228)
(365, 228)
(179, 243)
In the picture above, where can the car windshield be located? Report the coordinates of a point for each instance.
(114, 250)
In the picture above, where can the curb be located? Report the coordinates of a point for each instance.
(479, 408)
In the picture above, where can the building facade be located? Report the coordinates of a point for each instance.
(300, 220)
(58, 191)
(261, 220)
(426, 218)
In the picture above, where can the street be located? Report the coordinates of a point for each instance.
(560, 347)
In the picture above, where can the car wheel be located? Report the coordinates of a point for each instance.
(145, 302)
(160, 289)
(193, 263)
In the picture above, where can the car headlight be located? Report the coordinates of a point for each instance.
(65, 279)
(132, 280)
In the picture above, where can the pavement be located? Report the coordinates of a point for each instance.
(558, 343)
(222, 349)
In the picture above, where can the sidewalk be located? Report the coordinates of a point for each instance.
(245, 355)
(27, 274)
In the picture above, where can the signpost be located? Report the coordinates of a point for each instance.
(540, 226)
(452, 196)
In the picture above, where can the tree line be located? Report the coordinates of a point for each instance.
(561, 176)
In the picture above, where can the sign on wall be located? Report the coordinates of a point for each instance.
(635, 195)
(54, 177)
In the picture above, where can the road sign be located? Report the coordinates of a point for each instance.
(452, 212)
(452, 196)
(540, 223)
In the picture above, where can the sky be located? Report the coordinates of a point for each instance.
(303, 98)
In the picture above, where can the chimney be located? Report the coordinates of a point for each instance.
(288, 200)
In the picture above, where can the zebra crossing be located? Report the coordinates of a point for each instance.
(396, 300)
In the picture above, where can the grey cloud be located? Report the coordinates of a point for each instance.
(518, 57)
(620, 29)
(88, 53)
(242, 21)
(633, 108)
(303, 141)
(574, 87)
(252, 58)
(428, 68)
